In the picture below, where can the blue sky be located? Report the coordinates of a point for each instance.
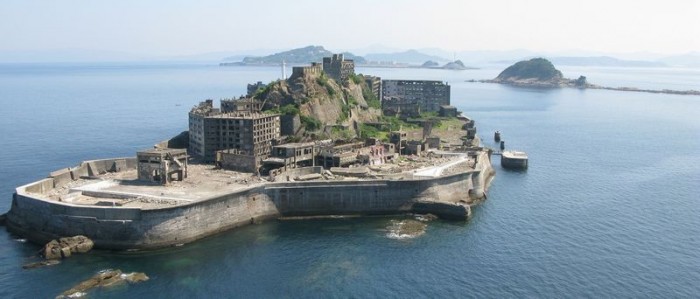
(189, 27)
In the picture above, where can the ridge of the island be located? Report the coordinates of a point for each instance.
(304, 55)
(318, 143)
(541, 73)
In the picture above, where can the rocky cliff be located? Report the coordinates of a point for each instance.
(321, 103)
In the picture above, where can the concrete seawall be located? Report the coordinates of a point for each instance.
(40, 219)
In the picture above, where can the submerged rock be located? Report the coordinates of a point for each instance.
(40, 264)
(64, 247)
(103, 278)
(405, 229)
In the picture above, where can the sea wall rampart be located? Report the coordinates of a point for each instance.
(40, 219)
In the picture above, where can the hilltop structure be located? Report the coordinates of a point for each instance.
(414, 96)
(338, 68)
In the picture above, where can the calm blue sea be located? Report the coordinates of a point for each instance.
(608, 208)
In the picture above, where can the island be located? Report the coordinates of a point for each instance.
(299, 56)
(318, 143)
(311, 54)
(541, 73)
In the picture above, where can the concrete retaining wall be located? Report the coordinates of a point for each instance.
(41, 220)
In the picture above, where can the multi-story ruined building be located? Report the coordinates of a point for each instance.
(338, 68)
(427, 95)
(300, 71)
(375, 85)
(233, 127)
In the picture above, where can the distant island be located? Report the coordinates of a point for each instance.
(312, 53)
(541, 73)
(303, 55)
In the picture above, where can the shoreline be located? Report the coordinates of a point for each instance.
(553, 85)
(387, 66)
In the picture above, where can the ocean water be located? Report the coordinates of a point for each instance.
(608, 208)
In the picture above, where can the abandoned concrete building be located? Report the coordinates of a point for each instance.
(395, 106)
(241, 104)
(291, 155)
(375, 85)
(245, 133)
(162, 165)
(448, 111)
(338, 68)
(300, 71)
(426, 94)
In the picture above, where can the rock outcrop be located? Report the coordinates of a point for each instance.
(536, 72)
(104, 278)
(320, 102)
(65, 247)
(40, 264)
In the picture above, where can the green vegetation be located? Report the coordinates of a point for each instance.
(370, 97)
(310, 123)
(323, 81)
(352, 101)
(395, 124)
(340, 133)
(367, 131)
(357, 79)
(344, 113)
(536, 68)
(290, 109)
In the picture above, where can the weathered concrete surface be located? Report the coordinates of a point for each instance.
(41, 220)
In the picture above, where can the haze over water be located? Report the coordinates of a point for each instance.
(608, 207)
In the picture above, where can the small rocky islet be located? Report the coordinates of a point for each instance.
(541, 73)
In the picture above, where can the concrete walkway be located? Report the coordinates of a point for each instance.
(436, 171)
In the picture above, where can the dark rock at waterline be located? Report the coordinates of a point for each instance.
(103, 278)
(64, 247)
(40, 264)
(426, 217)
(3, 219)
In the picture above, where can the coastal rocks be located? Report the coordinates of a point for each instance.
(103, 278)
(405, 229)
(426, 217)
(40, 264)
(3, 219)
(64, 247)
